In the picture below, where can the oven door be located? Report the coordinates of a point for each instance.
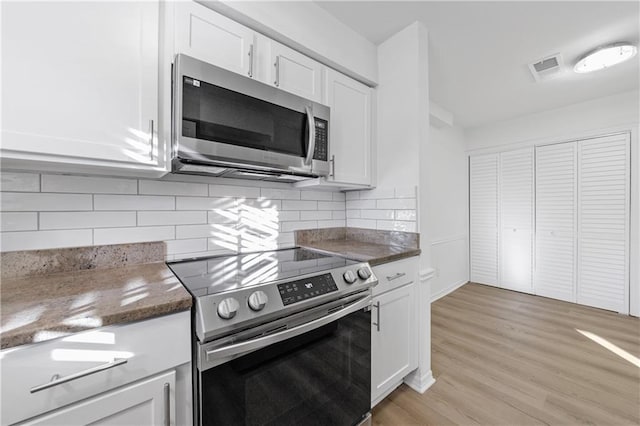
(316, 373)
(226, 119)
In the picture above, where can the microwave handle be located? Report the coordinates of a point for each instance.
(312, 136)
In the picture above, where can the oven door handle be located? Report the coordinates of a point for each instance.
(260, 342)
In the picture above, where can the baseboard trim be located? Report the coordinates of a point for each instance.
(448, 290)
(420, 384)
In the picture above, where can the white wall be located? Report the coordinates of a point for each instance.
(448, 171)
(195, 215)
(567, 123)
(620, 112)
(306, 27)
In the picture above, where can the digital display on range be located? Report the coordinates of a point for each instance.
(297, 291)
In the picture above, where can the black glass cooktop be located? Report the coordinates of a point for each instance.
(210, 275)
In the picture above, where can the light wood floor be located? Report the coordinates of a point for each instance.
(506, 358)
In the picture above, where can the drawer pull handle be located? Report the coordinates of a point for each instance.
(396, 276)
(377, 323)
(57, 380)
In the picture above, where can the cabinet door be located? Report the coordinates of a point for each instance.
(296, 73)
(554, 274)
(516, 220)
(393, 340)
(483, 185)
(80, 83)
(603, 222)
(144, 403)
(349, 128)
(206, 35)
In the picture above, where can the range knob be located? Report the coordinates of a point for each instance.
(228, 308)
(258, 300)
(364, 273)
(349, 277)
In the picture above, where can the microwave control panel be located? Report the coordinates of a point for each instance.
(321, 151)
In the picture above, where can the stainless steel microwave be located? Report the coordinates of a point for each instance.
(226, 124)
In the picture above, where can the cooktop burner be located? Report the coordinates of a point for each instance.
(212, 275)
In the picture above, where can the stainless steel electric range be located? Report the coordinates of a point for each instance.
(280, 338)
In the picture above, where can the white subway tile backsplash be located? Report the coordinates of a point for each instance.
(20, 182)
(330, 205)
(352, 195)
(280, 194)
(353, 214)
(377, 194)
(88, 184)
(317, 195)
(299, 205)
(405, 215)
(406, 192)
(196, 231)
(294, 226)
(195, 217)
(132, 202)
(339, 196)
(133, 235)
(75, 220)
(395, 225)
(29, 202)
(316, 215)
(331, 223)
(216, 190)
(361, 204)
(400, 204)
(161, 187)
(33, 240)
(288, 215)
(18, 221)
(338, 214)
(376, 214)
(362, 223)
(150, 218)
(204, 203)
(194, 245)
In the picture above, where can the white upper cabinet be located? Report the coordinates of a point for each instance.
(206, 35)
(349, 129)
(296, 73)
(80, 84)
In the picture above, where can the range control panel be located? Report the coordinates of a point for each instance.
(308, 288)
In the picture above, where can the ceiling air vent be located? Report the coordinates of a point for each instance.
(547, 68)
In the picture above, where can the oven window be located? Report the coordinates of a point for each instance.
(319, 378)
(220, 115)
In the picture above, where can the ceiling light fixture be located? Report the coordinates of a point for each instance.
(605, 57)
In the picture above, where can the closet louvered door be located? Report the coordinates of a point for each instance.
(603, 222)
(483, 184)
(516, 220)
(555, 231)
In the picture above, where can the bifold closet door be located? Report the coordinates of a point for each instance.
(516, 220)
(555, 241)
(603, 222)
(483, 185)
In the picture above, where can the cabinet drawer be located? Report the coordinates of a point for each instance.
(96, 361)
(395, 274)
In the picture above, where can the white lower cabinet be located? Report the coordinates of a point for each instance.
(112, 375)
(394, 339)
(149, 402)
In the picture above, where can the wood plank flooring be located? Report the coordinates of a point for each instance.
(506, 358)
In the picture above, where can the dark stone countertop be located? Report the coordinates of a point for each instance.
(51, 300)
(369, 245)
